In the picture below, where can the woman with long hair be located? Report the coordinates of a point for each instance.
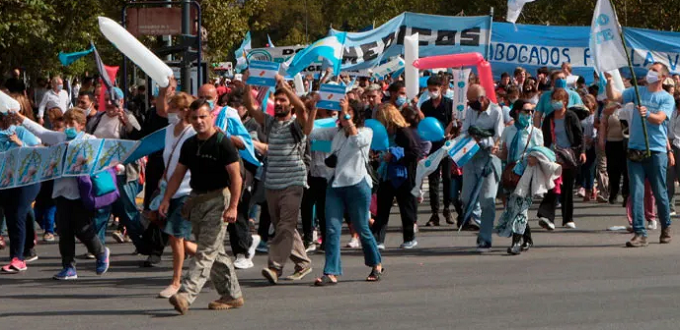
(177, 228)
(397, 174)
(348, 191)
(563, 134)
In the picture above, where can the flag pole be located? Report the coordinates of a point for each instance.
(634, 78)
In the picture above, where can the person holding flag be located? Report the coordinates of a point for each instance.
(655, 107)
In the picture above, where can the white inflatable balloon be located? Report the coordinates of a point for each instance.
(411, 72)
(8, 104)
(135, 51)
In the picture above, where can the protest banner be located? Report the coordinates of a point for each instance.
(263, 73)
(330, 96)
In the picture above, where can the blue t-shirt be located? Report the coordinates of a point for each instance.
(655, 102)
(26, 137)
(561, 134)
(544, 105)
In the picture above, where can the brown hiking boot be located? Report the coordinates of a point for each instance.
(223, 304)
(180, 302)
(637, 241)
(665, 237)
(271, 275)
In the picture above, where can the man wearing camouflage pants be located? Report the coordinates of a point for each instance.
(215, 178)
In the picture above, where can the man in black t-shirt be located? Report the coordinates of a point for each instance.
(216, 187)
(440, 108)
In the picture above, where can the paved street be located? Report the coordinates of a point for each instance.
(577, 279)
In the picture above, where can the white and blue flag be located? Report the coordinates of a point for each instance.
(240, 54)
(463, 150)
(330, 96)
(263, 73)
(330, 48)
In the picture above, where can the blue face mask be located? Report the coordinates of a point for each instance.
(557, 105)
(560, 83)
(401, 100)
(524, 120)
(71, 133)
(211, 104)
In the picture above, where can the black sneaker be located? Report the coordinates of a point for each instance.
(434, 220)
(152, 261)
(448, 217)
(30, 256)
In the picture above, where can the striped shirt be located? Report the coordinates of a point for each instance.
(285, 167)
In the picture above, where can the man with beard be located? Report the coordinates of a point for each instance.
(285, 176)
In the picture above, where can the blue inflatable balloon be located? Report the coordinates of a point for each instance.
(430, 129)
(380, 140)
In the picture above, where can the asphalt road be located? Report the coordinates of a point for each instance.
(572, 279)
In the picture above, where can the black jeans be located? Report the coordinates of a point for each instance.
(240, 238)
(75, 221)
(265, 222)
(443, 171)
(154, 239)
(616, 167)
(16, 203)
(549, 203)
(407, 207)
(314, 195)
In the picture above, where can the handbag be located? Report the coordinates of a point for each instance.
(99, 190)
(637, 156)
(332, 160)
(157, 196)
(510, 179)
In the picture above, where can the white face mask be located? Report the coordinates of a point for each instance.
(434, 95)
(173, 118)
(652, 77)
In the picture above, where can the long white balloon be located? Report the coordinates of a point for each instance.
(411, 72)
(299, 85)
(135, 51)
(8, 104)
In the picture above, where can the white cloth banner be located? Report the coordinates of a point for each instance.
(605, 39)
(461, 78)
(514, 9)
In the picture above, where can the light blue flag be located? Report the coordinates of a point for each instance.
(330, 48)
(148, 145)
(323, 145)
(240, 54)
(67, 59)
(229, 122)
(269, 40)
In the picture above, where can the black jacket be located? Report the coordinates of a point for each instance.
(573, 130)
(404, 138)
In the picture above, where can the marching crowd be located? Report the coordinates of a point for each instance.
(547, 136)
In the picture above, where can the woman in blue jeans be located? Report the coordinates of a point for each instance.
(16, 202)
(348, 192)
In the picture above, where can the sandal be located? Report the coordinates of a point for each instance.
(325, 281)
(375, 275)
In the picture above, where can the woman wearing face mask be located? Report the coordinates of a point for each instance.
(563, 134)
(177, 228)
(73, 219)
(517, 140)
(348, 191)
(397, 175)
(16, 202)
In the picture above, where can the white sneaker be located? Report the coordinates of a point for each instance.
(253, 246)
(581, 192)
(381, 246)
(570, 225)
(652, 224)
(242, 262)
(673, 213)
(353, 243)
(546, 224)
(311, 248)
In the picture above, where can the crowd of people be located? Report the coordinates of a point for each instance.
(548, 136)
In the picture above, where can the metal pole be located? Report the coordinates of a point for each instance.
(186, 30)
(125, 81)
(488, 41)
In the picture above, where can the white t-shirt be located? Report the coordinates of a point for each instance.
(171, 164)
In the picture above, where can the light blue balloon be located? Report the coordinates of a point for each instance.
(430, 129)
(380, 140)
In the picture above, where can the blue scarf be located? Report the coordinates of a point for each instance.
(516, 147)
